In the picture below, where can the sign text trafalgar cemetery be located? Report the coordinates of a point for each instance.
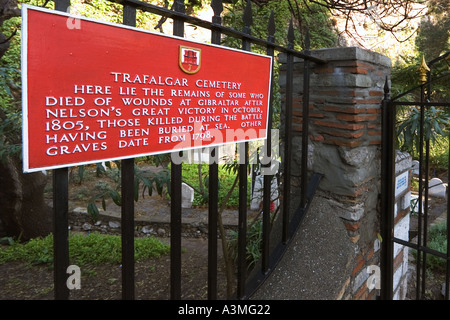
(103, 91)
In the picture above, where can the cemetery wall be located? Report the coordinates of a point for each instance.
(344, 146)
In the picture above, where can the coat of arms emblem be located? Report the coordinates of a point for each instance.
(189, 59)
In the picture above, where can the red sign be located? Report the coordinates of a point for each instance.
(95, 91)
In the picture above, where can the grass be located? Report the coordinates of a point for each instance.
(94, 249)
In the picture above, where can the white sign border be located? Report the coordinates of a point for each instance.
(24, 59)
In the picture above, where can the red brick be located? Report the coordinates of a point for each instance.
(352, 110)
(365, 65)
(357, 70)
(316, 115)
(374, 133)
(356, 118)
(352, 226)
(345, 134)
(346, 126)
(323, 70)
(317, 138)
(374, 93)
(366, 101)
(360, 262)
(398, 260)
(362, 293)
(370, 254)
(373, 110)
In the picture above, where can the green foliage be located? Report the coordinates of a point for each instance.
(10, 144)
(439, 153)
(10, 83)
(93, 249)
(433, 38)
(408, 131)
(227, 175)
(253, 246)
(145, 180)
(311, 17)
(437, 241)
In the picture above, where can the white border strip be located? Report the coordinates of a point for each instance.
(24, 66)
(24, 59)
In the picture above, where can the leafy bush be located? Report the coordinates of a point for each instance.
(437, 241)
(408, 132)
(226, 180)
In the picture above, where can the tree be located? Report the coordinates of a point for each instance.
(24, 212)
(392, 16)
(433, 38)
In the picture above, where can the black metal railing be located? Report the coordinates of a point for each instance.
(291, 221)
(390, 109)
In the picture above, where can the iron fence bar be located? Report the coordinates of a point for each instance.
(417, 247)
(267, 191)
(305, 126)
(175, 194)
(415, 88)
(387, 195)
(447, 273)
(212, 225)
(175, 231)
(60, 216)
(60, 232)
(127, 209)
(242, 221)
(127, 223)
(420, 199)
(425, 206)
(288, 138)
(425, 103)
(62, 5)
(213, 200)
(242, 172)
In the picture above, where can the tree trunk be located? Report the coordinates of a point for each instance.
(23, 210)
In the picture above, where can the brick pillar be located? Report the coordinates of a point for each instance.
(345, 141)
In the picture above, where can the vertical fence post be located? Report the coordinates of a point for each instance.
(305, 124)
(387, 195)
(62, 5)
(127, 214)
(267, 191)
(447, 273)
(60, 216)
(243, 163)
(175, 194)
(288, 137)
(60, 233)
(217, 7)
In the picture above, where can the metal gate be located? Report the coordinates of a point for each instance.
(417, 242)
(290, 220)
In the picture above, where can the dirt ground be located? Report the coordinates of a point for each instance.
(19, 281)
